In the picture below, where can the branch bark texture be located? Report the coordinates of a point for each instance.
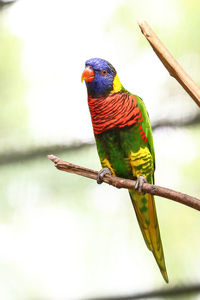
(127, 183)
(170, 63)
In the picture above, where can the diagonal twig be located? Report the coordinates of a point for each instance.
(170, 63)
(127, 183)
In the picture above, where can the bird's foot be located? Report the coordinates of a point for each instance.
(102, 173)
(139, 184)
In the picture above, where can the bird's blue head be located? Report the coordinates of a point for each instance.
(100, 77)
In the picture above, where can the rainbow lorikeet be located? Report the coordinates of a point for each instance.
(124, 142)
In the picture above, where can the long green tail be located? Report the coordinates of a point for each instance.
(145, 210)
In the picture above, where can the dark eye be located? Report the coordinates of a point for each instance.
(104, 72)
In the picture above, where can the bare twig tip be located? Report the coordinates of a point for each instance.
(140, 21)
(53, 158)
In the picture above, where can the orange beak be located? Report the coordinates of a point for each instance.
(88, 75)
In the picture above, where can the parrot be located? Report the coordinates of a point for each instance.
(124, 141)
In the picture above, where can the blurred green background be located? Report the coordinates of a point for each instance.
(63, 236)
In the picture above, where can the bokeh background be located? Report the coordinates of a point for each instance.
(62, 236)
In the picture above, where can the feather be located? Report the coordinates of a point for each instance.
(145, 210)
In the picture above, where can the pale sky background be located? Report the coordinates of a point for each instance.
(58, 39)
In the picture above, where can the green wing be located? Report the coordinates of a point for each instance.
(147, 127)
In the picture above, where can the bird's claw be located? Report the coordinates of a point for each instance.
(102, 173)
(139, 184)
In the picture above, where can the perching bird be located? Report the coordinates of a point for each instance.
(125, 144)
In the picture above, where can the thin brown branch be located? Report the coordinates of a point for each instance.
(170, 63)
(170, 292)
(127, 183)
